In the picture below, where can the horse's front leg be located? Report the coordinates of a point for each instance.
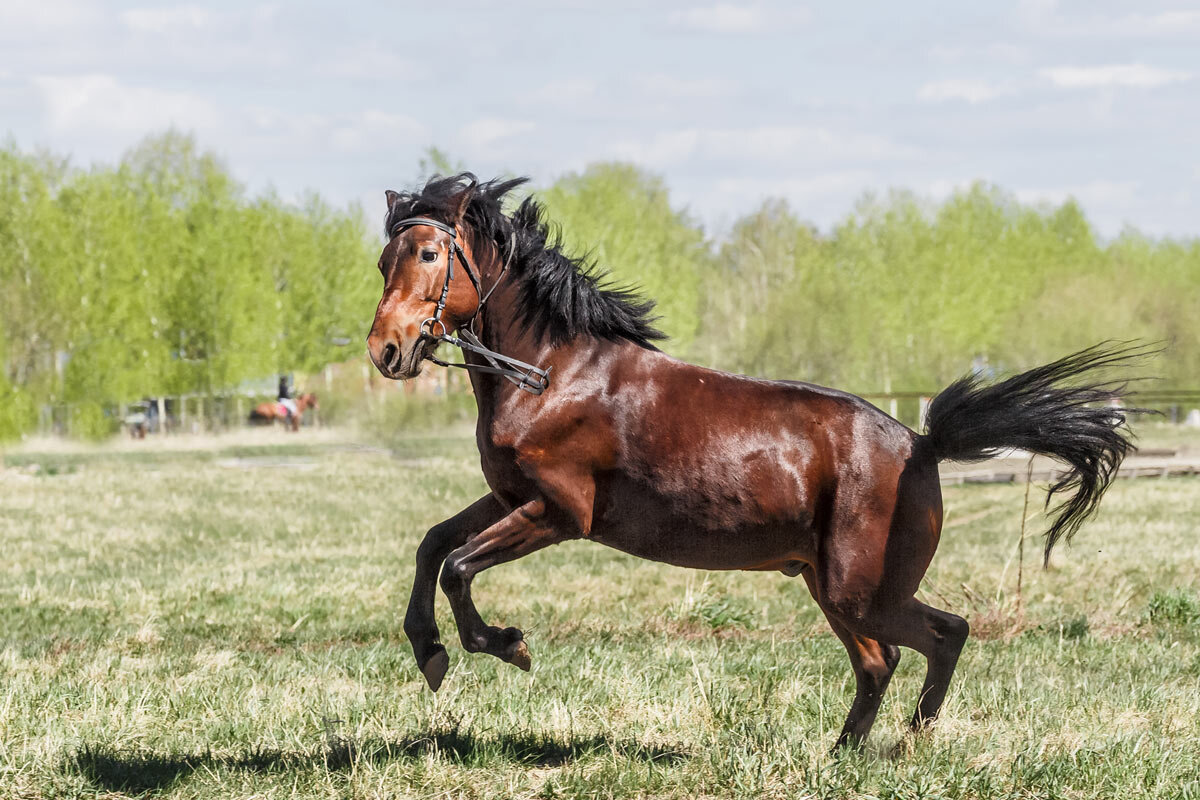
(526, 529)
(419, 624)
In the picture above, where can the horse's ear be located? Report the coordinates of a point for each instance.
(392, 197)
(463, 201)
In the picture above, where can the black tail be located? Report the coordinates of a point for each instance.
(1031, 411)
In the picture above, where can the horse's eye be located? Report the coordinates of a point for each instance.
(429, 255)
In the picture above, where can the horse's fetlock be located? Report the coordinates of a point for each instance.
(419, 632)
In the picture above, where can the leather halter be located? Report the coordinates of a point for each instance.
(525, 376)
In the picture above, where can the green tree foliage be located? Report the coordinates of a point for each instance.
(903, 295)
(159, 277)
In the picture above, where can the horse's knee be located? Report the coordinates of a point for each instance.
(432, 547)
(439, 541)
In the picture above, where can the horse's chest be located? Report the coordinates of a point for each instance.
(503, 475)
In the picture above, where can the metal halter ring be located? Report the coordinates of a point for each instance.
(430, 332)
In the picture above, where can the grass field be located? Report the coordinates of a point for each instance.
(221, 619)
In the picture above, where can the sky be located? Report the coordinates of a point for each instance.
(731, 103)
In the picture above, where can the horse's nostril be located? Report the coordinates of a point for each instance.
(390, 354)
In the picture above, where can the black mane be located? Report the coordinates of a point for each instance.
(560, 297)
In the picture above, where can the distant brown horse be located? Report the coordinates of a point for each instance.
(267, 413)
(587, 431)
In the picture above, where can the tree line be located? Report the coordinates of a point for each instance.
(902, 295)
(161, 276)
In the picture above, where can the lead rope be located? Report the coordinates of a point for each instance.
(534, 380)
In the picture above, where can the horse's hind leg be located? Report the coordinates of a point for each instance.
(870, 569)
(942, 635)
(873, 665)
(419, 624)
(523, 531)
(937, 635)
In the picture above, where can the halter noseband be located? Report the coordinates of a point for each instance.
(525, 376)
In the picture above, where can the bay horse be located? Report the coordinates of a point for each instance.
(587, 431)
(267, 413)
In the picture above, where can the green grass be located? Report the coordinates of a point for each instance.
(223, 621)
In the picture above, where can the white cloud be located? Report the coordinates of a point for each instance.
(820, 197)
(972, 91)
(275, 131)
(1004, 52)
(942, 188)
(766, 143)
(112, 115)
(748, 191)
(91, 103)
(661, 149)
(483, 133)
(1091, 194)
(1045, 19)
(1169, 23)
(662, 85)
(731, 18)
(370, 61)
(564, 91)
(192, 18)
(1037, 14)
(1133, 75)
(376, 130)
(22, 17)
(161, 20)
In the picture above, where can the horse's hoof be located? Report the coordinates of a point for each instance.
(435, 668)
(847, 745)
(520, 656)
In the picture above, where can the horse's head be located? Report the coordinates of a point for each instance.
(426, 260)
(308, 400)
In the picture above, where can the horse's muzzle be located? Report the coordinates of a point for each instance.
(396, 361)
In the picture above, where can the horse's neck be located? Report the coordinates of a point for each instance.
(502, 331)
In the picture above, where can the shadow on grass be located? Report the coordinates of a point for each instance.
(139, 771)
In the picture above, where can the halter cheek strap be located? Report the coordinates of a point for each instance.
(525, 376)
(455, 248)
